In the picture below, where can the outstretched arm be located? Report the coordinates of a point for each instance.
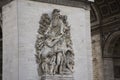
(53, 42)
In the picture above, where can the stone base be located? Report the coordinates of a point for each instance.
(57, 77)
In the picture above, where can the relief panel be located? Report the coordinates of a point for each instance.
(54, 52)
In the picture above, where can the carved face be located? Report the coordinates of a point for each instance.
(56, 13)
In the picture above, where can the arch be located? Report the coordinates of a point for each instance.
(109, 44)
(95, 13)
(108, 56)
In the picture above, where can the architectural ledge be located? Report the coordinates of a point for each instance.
(91, 0)
(73, 3)
(84, 0)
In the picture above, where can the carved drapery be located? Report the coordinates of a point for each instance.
(54, 52)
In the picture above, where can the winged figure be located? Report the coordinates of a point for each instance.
(54, 53)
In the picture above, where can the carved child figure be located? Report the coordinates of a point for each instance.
(45, 63)
(69, 60)
(52, 64)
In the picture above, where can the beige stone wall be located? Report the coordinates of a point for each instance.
(97, 57)
(20, 34)
(10, 42)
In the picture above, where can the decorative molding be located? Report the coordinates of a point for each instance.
(71, 3)
(108, 42)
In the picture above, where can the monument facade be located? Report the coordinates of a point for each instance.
(46, 41)
(54, 50)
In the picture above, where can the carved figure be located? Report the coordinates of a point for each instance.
(54, 53)
(44, 65)
(69, 60)
(52, 64)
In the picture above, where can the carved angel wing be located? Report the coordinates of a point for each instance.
(44, 24)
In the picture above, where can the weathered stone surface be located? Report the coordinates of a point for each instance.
(19, 60)
(10, 42)
(57, 77)
(97, 57)
(54, 47)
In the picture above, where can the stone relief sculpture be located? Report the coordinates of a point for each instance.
(54, 52)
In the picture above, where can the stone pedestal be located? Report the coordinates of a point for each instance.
(20, 25)
(57, 77)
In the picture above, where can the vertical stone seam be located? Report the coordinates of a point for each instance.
(86, 41)
(88, 45)
(18, 34)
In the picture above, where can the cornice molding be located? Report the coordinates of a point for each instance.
(72, 3)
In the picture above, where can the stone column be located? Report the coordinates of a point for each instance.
(21, 23)
(97, 57)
